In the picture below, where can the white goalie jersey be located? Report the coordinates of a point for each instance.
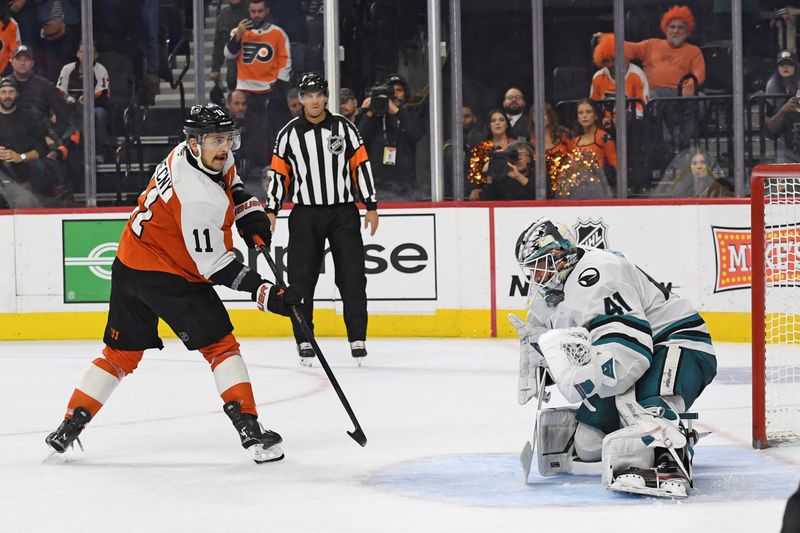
(626, 312)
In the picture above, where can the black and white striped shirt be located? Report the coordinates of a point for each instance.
(327, 162)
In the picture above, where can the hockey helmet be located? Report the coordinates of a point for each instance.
(546, 252)
(210, 118)
(312, 81)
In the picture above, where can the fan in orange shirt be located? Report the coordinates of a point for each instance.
(667, 60)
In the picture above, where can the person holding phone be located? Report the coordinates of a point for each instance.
(263, 70)
(784, 124)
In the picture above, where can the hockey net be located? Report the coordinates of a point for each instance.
(775, 217)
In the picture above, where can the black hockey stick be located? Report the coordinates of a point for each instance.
(357, 434)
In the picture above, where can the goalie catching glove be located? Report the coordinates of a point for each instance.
(278, 300)
(531, 361)
(578, 368)
(250, 218)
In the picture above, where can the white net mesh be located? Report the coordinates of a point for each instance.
(782, 324)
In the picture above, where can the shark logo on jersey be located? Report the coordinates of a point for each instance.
(257, 52)
(592, 233)
(588, 277)
(336, 144)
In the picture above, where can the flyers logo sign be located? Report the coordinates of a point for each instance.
(735, 263)
(257, 52)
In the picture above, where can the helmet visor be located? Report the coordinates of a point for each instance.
(217, 140)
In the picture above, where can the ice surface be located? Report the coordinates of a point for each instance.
(444, 431)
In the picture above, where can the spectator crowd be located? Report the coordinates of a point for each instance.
(262, 47)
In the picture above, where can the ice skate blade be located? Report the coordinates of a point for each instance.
(260, 454)
(307, 361)
(666, 490)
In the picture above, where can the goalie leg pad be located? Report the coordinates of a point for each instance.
(556, 440)
(624, 449)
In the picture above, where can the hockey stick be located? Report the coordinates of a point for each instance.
(357, 434)
(526, 457)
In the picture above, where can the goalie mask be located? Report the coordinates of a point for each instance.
(546, 253)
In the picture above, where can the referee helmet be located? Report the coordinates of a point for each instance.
(312, 81)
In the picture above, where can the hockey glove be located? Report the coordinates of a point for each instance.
(531, 361)
(580, 371)
(251, 219)
(278, 300)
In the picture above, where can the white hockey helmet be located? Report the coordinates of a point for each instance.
(546, 252)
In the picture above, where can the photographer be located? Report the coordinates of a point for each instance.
(391, 134)
(509, 174)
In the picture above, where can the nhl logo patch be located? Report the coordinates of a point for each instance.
(336, 144)
(592, 233)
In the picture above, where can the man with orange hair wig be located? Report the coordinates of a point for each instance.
(603, 84)
(667, 60)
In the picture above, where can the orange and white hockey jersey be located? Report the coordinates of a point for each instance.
(262, 59)
(9, 41)
(182, 224)
(636, 86)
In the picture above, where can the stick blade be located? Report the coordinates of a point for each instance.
(526, 459)
(358, 435)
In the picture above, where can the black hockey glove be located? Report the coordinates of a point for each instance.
(251, 219)
(276, 299)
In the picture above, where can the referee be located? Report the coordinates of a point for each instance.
(321, 158)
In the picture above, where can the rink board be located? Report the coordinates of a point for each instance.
(446, 270)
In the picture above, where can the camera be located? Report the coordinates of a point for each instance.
(380, 95)
(499, 160)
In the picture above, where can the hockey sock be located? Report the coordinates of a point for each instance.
(230, 373)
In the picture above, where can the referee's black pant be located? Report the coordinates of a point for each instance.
(309, 226)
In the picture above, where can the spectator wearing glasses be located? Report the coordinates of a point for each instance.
(514, 108)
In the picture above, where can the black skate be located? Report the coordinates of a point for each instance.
(306, 353)
(358, 349)
(263, 445)
(69, 430)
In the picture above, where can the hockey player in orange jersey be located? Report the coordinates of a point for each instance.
(176, 245)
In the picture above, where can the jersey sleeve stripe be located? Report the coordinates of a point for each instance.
(356, 160)
(627, 320)
(628, 342)
(690, 322)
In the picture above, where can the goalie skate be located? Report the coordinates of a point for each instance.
(666, 481)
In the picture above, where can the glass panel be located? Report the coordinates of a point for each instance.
(681, 146)
(772, 85)
(386, 70)
(581, 136)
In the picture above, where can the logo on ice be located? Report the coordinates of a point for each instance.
(734, 257)
(89, 250)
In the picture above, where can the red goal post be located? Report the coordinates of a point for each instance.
(775, 259)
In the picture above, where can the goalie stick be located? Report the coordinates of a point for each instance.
(526, 457)
(357, 434)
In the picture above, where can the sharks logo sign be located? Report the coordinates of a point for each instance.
(592, 233)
